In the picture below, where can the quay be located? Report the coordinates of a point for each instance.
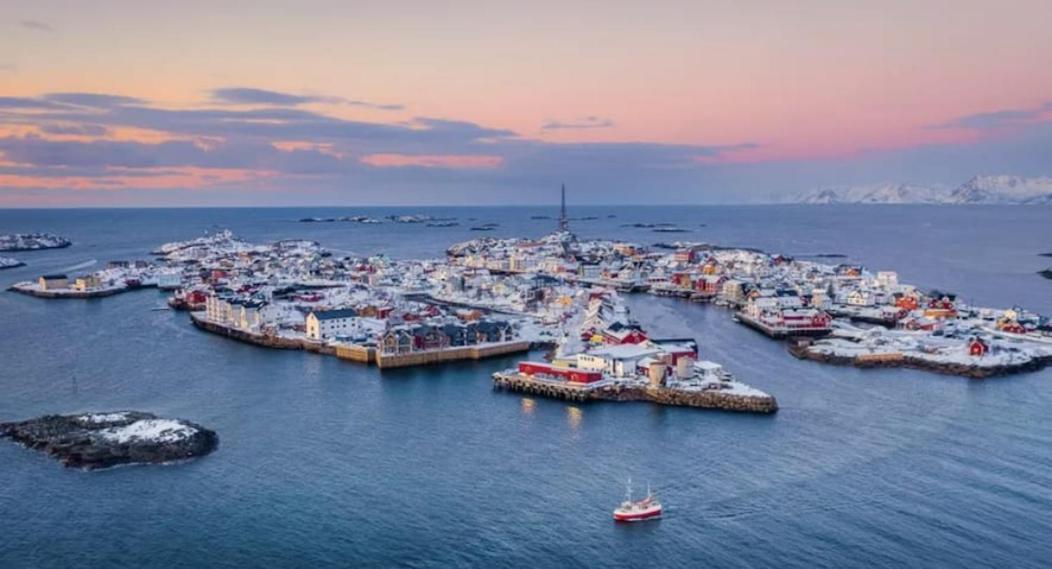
(613, 391)
(363, 354)
(779, 333)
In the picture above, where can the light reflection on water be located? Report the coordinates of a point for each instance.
(574, 416)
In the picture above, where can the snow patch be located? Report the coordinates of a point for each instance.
(152, 430)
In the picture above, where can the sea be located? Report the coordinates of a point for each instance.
(326, 463)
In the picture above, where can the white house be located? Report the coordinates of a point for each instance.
(619, 361)
(322, 324)
(888, 279)
(860, 297)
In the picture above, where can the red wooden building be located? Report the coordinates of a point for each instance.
(569, 374)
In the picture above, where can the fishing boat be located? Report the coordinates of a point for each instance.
(630, 510)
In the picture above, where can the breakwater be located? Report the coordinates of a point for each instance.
(703, 399)
(900, 360)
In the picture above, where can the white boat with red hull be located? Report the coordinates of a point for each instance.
(649, 508)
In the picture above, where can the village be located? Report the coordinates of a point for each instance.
(832, 313)
(390, 313)
(495, 297)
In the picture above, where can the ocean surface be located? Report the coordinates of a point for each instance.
(324, 463)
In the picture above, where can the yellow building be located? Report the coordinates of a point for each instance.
(87, 282)
(52, 282)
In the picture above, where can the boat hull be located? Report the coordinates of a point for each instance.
(637, 516)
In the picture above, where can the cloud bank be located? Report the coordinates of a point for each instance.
(251, 146)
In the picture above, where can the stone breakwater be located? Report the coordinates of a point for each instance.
(713, 399)
(703, 399)
(974, 371)
(94, 441)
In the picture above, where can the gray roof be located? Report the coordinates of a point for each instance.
(332, 314)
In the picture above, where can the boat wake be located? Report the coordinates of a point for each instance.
(80, 266)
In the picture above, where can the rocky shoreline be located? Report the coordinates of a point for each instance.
(93, 441)
(716, 399)
(962, 370)
(700, 399)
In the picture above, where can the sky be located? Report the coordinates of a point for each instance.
(113, 103)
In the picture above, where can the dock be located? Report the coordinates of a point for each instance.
(607, 390)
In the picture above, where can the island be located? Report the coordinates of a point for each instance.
(93, 441)
(9, 263)
(32, 242)
(492, 297)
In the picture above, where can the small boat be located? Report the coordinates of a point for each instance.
(630, 510)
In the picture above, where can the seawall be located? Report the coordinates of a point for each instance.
(906, 361)
(715, 399)
(384, 361)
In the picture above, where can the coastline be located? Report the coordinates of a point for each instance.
(364, 354)
(972, 371)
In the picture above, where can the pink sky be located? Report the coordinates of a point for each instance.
(804, 81)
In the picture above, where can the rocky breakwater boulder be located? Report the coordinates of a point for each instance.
(725, 400)
(103, 440)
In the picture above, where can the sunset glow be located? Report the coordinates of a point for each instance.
(513, 98)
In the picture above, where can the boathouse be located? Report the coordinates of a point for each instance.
(52, 282)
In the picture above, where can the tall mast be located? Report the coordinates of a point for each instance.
(564, 224)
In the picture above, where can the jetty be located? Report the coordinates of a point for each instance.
(725, 398)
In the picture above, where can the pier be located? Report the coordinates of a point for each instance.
(608, 390)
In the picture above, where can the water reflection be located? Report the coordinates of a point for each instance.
(528, 406)
(574, 415)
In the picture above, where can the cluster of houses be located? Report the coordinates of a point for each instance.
(296, 290)
(777, 295)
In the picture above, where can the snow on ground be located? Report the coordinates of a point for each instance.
(103, 417)
(155, 430)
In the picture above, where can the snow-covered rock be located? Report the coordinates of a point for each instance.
(102, 440)
(32, 241)
(9, 263)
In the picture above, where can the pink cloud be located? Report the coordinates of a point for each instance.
(452, 161)
(117, 178)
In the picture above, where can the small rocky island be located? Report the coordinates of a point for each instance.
(32, 242)
(102, 440)
(9, 263)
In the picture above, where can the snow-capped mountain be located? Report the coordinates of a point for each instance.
(1001, 190)
(876, 194)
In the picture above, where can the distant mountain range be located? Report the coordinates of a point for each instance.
(1003, 190)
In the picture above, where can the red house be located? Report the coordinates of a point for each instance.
(569, 374)
(619, 334)
(977, 348)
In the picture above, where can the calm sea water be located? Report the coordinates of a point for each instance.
(327, 463)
